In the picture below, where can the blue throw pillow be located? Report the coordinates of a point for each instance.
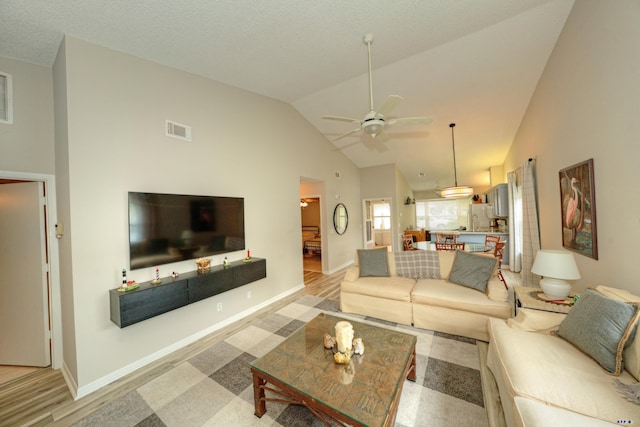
(373, 262)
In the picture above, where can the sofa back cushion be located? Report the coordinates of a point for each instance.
(631, 354)
(446, 262)
(418, 264)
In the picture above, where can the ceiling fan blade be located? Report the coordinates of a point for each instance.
(410, 121)
(341, 119)
(388, 106)
(345, 134)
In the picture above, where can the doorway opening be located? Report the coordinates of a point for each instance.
(378, 221)
(33, 340)
(311, 234)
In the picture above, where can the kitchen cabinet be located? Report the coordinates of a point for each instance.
(499, 198)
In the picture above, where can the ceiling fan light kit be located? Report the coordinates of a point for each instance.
(455, 192)
(374, 122)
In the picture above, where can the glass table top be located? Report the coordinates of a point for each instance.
(363, 390)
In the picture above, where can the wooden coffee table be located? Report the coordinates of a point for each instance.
(366, 392)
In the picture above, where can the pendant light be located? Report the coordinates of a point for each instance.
(455, 192)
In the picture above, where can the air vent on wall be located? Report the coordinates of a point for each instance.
(6, 99)
(177, 130)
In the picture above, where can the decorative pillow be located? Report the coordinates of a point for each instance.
(601, 327)
(472, 271)
(373, 262)
(418, 264)
(631, 355)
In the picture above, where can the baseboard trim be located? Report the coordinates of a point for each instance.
(80, 392)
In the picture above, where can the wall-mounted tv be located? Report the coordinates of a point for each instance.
(165, 228)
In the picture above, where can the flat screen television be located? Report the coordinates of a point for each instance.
(166, 228)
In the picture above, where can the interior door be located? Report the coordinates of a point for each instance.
(24, 308)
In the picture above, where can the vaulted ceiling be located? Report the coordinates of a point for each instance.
(475, 63)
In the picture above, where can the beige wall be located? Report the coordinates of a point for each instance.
(27, 144)
(587, 105)
(112, 110)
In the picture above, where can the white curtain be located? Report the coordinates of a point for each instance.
(530, 228)
(514, 186)
(524, 232)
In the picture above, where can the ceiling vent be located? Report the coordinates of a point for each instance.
(179, 131)
(6, 99)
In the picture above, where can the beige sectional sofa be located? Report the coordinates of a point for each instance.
(545, 380)
(430, 303)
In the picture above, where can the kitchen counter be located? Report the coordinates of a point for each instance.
(477, 237)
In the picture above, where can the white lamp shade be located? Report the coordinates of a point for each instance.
(556, 264)
(556, 267)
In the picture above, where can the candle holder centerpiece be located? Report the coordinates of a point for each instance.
(343, 345)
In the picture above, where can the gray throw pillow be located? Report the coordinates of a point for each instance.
(472, 271)
(373, 262)
(601, 327)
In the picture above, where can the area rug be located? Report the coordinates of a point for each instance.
(214, 388)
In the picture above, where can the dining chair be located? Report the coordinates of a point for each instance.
(444, 246)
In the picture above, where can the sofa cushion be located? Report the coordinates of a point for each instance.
(631, 354)
(550, 370)
(530, 413)
(418, 264)
(446, 262)
(600, 327)
(472, 271)
(394, 287)
(373, 262)
(441, 293)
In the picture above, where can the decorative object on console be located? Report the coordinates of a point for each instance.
(203, 264)
(156, 280)
(556, 267)
(578, 198)
(455, 192)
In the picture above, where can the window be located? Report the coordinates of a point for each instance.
(6, 98)
(442, 214)
(382, 216)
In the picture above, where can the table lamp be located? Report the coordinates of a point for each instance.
(556, 267)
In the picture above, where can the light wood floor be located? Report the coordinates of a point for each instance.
(43, 399)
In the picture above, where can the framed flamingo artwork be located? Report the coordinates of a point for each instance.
(578, 198)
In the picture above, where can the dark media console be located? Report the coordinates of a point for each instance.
(151, 300)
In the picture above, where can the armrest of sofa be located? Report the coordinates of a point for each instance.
(352, 274)
(536, 320)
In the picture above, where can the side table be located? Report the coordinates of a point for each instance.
(527, 297)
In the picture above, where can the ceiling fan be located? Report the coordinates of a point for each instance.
(374, 121)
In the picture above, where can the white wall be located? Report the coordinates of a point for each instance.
(27, 144)
(587, 105)
(112, 110)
